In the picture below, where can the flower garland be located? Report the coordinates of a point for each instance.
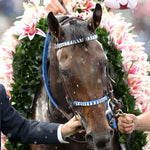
(27, 22)
(134, 61)
(134, 58)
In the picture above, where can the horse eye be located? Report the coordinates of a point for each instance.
(66, 73)
(105, 63)
(102, 63)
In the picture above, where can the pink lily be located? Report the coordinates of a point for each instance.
(30, 31)
(84, 5)
(88, 5)
(134, 70)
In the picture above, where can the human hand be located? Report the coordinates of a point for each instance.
(54, 6)
(127, 123)
(71, 127)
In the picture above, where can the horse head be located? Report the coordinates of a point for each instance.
(82, 64)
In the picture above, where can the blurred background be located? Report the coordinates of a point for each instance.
(9, 10)
(140, 18)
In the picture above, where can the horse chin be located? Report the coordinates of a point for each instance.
(102, 147)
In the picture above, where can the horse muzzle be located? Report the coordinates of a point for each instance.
(100, 140)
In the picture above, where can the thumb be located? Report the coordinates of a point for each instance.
(131, 117)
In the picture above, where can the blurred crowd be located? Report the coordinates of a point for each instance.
(9, 10)
(139, 17)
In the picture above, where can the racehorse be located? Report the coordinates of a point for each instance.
(78, 83)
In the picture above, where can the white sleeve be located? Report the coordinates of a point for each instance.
(112, 4)
(59, 136)
(132, 4)
(121, 4)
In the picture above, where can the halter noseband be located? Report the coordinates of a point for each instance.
(91, 103)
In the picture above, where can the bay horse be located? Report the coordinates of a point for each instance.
(78, 83)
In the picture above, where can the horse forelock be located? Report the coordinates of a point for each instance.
(73, 27)
(76, 31)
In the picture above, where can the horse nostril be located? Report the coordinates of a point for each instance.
(89, 137)
(111, 132)
(100, 140)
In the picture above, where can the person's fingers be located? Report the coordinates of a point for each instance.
(81, 131)
(73, 119)
(76, 121)
(73, 123)
(122, 119)
(125, 121)
(76, 117)
(52, 8)
(126, 130)
(55, 7)
(125, 125)
(60, 7)
(65, 2)
(128, 118)
(55, 10)
(76, 124)
(131, 117)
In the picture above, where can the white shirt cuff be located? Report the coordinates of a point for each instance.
(59, 136)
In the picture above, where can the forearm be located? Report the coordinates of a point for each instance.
(17, 128)
(143, 122)
(39, 132)
(30, 131)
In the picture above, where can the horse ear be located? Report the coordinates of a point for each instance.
(95, 20)
(54, 26)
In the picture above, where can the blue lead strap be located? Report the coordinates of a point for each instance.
(114, 125)
(47, 46)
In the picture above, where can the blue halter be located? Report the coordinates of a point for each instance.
(47, 46)
(91, 103)
(77, 41)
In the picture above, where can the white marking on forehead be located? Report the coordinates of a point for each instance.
(101, 48)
